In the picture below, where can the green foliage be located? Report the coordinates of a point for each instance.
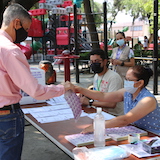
(84, 56)
(142, 53)
(142, 9)
(98, 8)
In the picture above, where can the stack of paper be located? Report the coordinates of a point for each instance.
(82, 139)
(117, 134)
(121, 133)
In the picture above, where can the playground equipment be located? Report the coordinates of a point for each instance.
(27, 50)
(36, 45)
(66, 59)
(36, 28)
(62, 35)
(57, 34)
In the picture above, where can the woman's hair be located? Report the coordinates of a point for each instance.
(142, 73)
(145, 37)
(122, 33)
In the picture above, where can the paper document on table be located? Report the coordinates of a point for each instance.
(117, 133)
(137, 150)
(121, 133)
(74, 102)
(57, 100)
(82, 139)
(45, 108)
(47, 114)
(107, 116)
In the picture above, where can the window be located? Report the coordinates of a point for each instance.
(136, 28)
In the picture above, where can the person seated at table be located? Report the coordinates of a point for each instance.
(105, 80)
(140, 106)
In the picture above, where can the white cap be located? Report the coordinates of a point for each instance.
(99, 109)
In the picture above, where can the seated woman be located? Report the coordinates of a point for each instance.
(140, 106)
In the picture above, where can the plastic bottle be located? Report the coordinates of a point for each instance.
(99, 129)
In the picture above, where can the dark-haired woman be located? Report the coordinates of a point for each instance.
(140, 106)
(122, 56)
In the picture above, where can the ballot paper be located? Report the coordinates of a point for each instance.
(82, 139)
(116, 133)
(57, 100)
(74, 102)
(47, 114)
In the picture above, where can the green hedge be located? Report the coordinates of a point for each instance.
(137, 53)
(85, 56)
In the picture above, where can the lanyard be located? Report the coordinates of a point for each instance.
(118, 54)
(99, 83)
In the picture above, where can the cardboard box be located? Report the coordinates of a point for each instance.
(152, 145)
(39, 74)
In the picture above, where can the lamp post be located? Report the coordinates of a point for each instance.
(155, 51)
(105, 28)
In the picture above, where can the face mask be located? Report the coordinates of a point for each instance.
(21, 35)
(96, 67)
(129, 86)
(120, 42)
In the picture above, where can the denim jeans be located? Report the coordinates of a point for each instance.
(11, 135)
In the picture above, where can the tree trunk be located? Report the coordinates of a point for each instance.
(25, 3)
(91, 24)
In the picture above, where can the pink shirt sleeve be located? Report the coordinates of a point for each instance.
(18, 71)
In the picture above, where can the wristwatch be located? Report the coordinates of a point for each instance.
(91, 102)
(122, 64)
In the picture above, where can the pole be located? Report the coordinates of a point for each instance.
(76, 41)
(155, 51)
(105, 28)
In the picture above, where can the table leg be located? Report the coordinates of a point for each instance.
(67, 69)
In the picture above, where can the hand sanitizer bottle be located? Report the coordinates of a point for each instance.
(99, 129)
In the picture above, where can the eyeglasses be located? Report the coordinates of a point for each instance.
(95, 61)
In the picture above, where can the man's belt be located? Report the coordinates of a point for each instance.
(11, 107)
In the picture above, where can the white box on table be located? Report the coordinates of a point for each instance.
(39, 74)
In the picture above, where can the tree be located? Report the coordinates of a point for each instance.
(91, 24)
(142, 9)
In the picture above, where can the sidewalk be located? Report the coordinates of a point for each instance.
(36, 145)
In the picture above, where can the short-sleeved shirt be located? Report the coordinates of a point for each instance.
(150, 122)
(119, 52)
(109, 82)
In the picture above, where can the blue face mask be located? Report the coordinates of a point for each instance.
(120, 42)
(129, 86)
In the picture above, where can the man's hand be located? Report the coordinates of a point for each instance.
(68, 86)
(88, 129)
(78, 89)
